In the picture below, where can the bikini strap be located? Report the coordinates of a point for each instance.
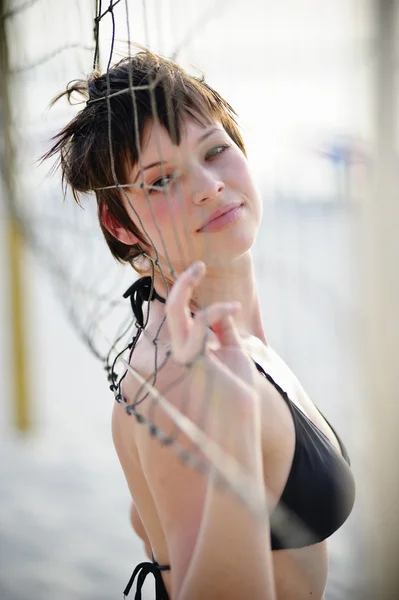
(141, 572)
(140, 292)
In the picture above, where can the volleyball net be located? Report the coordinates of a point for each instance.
(308, 141)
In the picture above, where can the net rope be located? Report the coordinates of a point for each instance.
(219, 459)
(112, 334)
(226, 472)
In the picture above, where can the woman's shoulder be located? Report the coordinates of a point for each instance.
(152, 375)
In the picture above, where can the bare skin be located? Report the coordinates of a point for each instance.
(215, 547)
(298, 574)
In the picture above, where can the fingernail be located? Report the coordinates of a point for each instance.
(196, 268)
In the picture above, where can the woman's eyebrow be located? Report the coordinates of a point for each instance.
(158, 163)
(150, 166)
(207, 134)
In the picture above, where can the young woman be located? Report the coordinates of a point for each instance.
(176, 199)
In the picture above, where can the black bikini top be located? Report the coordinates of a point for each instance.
(320, 489)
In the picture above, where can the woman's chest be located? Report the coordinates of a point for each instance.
(287, 382)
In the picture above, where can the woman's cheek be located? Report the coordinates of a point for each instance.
(159, 212)
(238, 171)
(166, 221)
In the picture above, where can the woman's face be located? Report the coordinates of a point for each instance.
(206, 173)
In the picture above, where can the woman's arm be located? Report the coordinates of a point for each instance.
(218, 547)
(232, 555)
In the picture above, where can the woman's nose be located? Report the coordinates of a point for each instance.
(205, 185)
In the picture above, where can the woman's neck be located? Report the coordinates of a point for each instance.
(234, 282)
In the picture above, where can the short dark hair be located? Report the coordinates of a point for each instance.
(83, 146)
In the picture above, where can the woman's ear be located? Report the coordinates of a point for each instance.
(112, 225)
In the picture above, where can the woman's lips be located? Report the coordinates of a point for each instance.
(223, 220)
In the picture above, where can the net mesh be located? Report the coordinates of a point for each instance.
(315, 208)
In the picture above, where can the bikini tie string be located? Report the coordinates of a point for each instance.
(140, 292)
(141, 572)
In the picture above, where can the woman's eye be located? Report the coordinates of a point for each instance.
(216, 151)
(161, 183)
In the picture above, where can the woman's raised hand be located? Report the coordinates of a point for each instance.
(191, 336)
(222, 392)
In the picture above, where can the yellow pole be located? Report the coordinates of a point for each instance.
(21, 406)
(22, 409)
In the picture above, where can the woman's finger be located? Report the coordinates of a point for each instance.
(179, 318)
(203, 321)
(226, 330)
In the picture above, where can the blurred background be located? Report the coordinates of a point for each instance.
(314, 87)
